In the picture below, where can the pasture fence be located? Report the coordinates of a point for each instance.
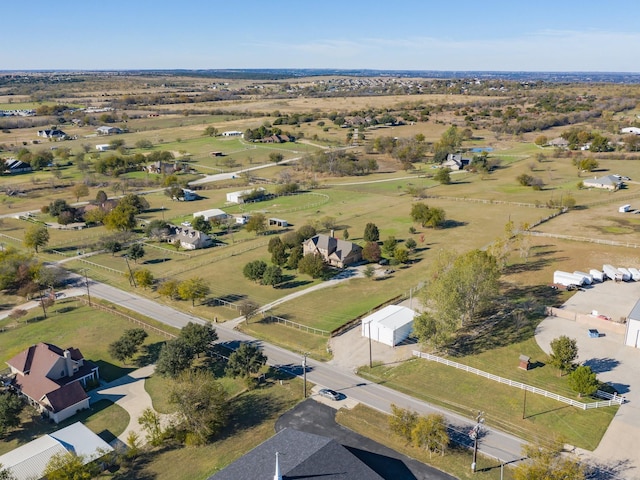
(133, 320)
(611, 399)
(600, 241)
(299, 326)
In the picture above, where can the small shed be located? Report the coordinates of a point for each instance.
(389, 325)
(525, 362)
(278, 222)
(632, 335)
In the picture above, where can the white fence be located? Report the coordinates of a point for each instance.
(582, 239)
(612, 399)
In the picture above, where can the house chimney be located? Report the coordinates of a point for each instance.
(333, 233)
(277, 475)
(68, 363)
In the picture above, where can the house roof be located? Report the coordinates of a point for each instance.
(339, 249)
(36, 362)
(391, 317)
(30, 460)
(301, 455)
(606, 180)
(635, 312)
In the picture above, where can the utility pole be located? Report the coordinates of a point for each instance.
(131, 277)
(86, 282)
(474, 434)
(304, 375)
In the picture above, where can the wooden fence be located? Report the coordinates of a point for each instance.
(133, 320)
(611, 399)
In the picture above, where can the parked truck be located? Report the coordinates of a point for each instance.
(597, 275)
(635, 273)
(612, 272)
(566, 278)
(587, 278)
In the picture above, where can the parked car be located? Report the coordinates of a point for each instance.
(330, 394)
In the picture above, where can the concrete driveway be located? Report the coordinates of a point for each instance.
(314, 417)
(614, 363)
(129, 393)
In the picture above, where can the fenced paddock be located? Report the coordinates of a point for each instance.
(610, 399)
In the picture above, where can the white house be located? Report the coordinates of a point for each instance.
(455, 161)
(241, 195)
(191, 239)
(30, 460)
(211, 214)
(608, 182)
(389, 325)
(632, 336)
(232, 133)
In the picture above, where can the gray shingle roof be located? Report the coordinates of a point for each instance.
(301, 455)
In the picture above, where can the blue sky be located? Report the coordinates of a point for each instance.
(542, 35)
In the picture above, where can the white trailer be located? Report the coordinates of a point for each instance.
(588, 279)
(612, 272)
(626, 274)
(566, 278)
(624, 208)
(635, 273)
(597, 275)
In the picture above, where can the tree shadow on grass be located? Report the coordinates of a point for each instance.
(293, 284)
(537, 264)
(149, 354)
(610, 471)
(248, 410)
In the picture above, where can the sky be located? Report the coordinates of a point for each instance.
(500, 35)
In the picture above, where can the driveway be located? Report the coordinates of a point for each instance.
(314, 417)
(614, 363)
(129, 393)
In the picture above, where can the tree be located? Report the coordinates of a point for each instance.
(150, 422)
(128, 344)
(248, 309)
(295, 255)
(272, 276)
(193, 289)
(459, 287)
(135, 252)
(541, 140)
(279, 255)
(201, 225)
(36, 236)
(410, 244)
(305, 232)
(371, 252)
(10, 407)
(583, 380)
(401, 255)
(122, 217)
(6, 474)
(345, 234)
(430, 433)
(427, 217)
(276, 157)
(201, 404)
(69, 466)
(254, 270)
(111, 245)
(274, 242)
(168, 288)
(564, 351)
(143, 277)
(257, 223)
(369, 271)
(80, 190)
(389, 244)
(101, 197)
(548, 463)
(175, 357)
(245, 361)
(402, 421)
(443, 175)
(371, 233)
(311, 264)
(198, 336)
(210, 131)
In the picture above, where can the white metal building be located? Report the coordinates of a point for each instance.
(239, 196)
(211, 214)
(389, 325)
(632, 337)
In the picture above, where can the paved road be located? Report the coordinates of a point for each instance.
(496, 444)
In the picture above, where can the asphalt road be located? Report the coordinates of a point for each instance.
(493, 443)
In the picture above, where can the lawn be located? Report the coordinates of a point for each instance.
(104, 418)
(70, 323)
(253, 418)
(374, 425)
